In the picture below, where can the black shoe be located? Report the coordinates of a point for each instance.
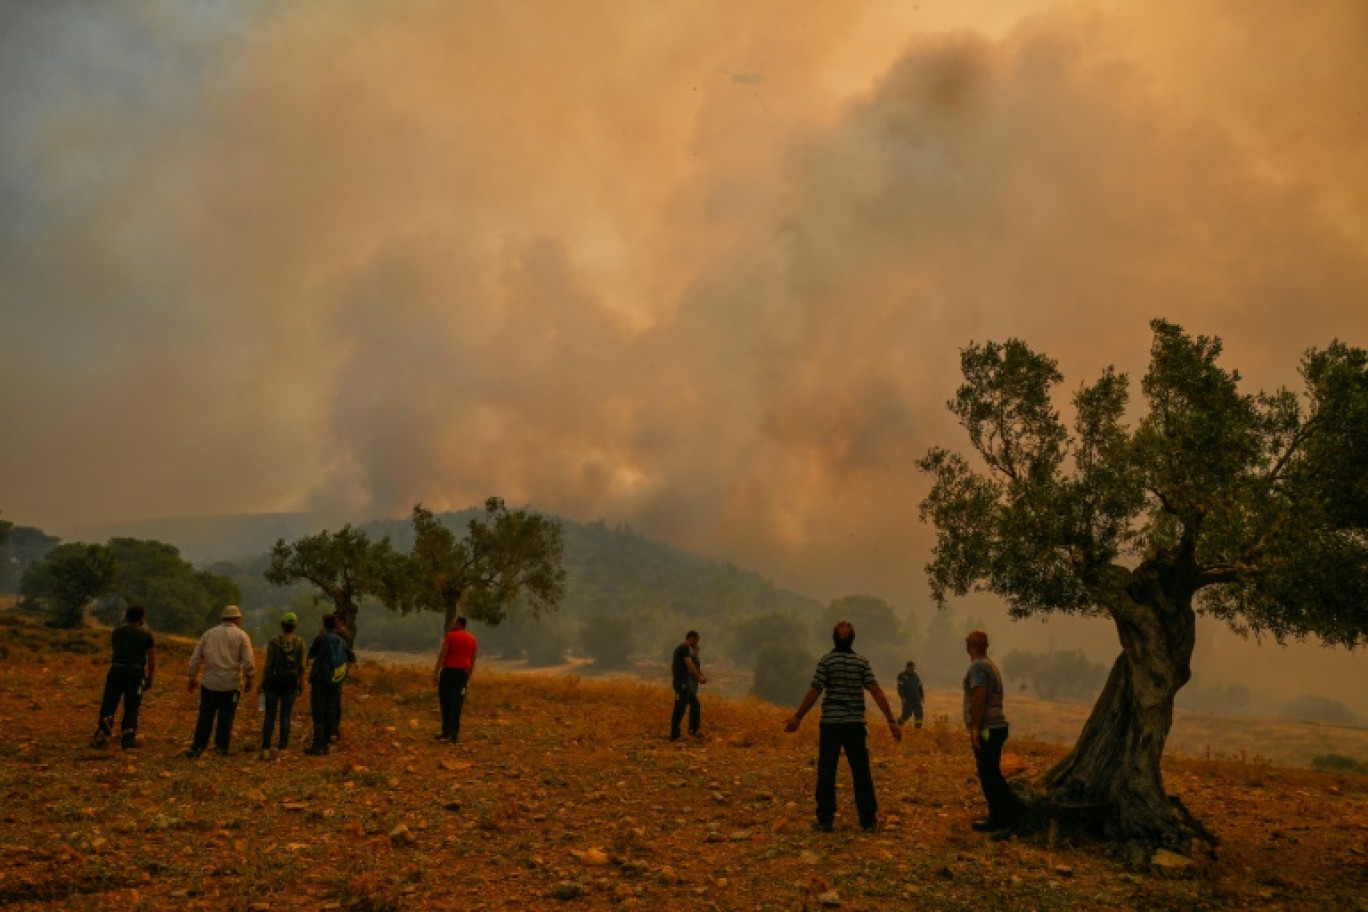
(696, 734)
(871, 827)
(194, 753)
(822, 826)
(674, 736)
(316, 751)
(448, 739)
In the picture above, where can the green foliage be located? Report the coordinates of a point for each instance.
(1338, 763)
(1057, 674)
(70, 576)
(1255, 503)
(125, 571)
(343, 566)
(879, 633)
(506, 556)
(783, 672)
(748, 635)
(1314, 708)
(607, 639)
(20, 548)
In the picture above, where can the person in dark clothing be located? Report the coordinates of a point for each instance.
(349, 637)
(687, 673)
(911, 694)
(132, 667)
(281, 683)
(844, 675)
(451, 677)
(987, 727)
(327, 666)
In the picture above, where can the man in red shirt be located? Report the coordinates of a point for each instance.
(455, 666)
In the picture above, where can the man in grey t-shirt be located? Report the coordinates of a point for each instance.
(844, 675)
(987, 727)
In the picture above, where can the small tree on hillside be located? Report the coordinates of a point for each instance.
(1251, 509)
(506, 555)
(69, 577)
(344, 566)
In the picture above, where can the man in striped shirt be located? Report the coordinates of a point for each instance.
(844, 675)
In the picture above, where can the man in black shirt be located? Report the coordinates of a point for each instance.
(131, 670)
(684, 667)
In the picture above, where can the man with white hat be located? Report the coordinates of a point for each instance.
(225, 653)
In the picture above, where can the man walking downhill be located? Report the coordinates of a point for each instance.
(911, 694)
(987, 727)
(327, 667)
(687, 673)
(281, 683)
(225, 654)
(451, 677)
(844, 675)
(131, 670)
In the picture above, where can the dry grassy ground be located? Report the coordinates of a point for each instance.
(565, 793)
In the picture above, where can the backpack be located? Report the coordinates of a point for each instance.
(338, 658)
(286, 667)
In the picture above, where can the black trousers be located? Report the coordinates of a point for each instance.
(124, 682)
(686, 699)
(335, 729)
(278, 702)
(910, 708)
(220, 705)
(451, 694)
(853, 738)
(323, 700)
(1002, 804)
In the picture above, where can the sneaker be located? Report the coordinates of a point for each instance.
(871, 827)
(100, 739)
(129, 741)
(674, 737)
(446, 738)
(696, 734)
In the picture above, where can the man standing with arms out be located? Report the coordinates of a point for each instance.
(225, 653)
(455, 667)
(327, 667)
(844, 675)
(687, 673)
(910, 693)
(281, 682)
(131, 670)
(987, 727)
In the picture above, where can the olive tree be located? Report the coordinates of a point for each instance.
(1249, 509)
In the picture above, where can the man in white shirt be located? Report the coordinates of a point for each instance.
(225, 654)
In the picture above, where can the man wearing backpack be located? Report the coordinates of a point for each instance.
(327, 668)
(282, 683)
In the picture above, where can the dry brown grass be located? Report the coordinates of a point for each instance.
(565, 793)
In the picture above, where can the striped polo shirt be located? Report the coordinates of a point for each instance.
(843, 678)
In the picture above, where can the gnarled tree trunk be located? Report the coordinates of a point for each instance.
(1115, 765)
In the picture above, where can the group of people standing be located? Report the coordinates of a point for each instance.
(841, 679)
(223, 669)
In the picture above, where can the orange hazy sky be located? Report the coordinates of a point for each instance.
(703, 268)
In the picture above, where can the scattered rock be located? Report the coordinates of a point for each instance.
(829, 898)
(739, 836)
(567, 891)
(809, 857)
(402, 835)
(1171, 862)
(1064, 870)
(595, 857)
(667, 876)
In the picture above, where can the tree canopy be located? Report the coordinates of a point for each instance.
(1248, 508)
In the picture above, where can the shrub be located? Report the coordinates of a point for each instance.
(782, 673)
(1338, 763)
(1315, 708)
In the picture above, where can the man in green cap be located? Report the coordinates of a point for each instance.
(282, 683)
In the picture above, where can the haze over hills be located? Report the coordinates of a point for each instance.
(641, 569)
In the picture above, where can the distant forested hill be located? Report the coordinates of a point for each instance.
(620, 585)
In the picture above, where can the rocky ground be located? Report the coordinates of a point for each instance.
(565, 793)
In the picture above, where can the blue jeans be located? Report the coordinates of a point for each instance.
(281, 702)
